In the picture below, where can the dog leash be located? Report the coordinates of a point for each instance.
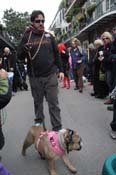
(41, 135)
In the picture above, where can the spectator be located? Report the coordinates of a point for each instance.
(8, 62)
(91, 54)
(5, 96)
(107, 61)
(65, 60)
(113, 122)
(113, 58)
(99, 85)
(5, 89)
(78, 66)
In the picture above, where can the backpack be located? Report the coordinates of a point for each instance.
(5, 91)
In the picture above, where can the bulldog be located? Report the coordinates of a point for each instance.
(52, 145)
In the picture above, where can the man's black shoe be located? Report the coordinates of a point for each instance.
(80, 90)
(110, 108)
(93, 94)
(99, 96)
(76, 88)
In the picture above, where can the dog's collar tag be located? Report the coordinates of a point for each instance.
(52, 137)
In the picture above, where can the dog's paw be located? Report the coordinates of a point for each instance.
(53, 173)
(23, 153)
(73, 170)
(41, 156)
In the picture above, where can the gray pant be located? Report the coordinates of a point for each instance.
(46, 87)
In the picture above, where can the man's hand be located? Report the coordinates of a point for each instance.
(3, 73)
(0, 61)
(79, 61)
(26, 48)
(61, 76)
(100, 58)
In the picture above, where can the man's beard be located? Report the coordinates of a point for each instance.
(41, 29)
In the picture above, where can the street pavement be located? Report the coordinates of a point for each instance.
(79, 112)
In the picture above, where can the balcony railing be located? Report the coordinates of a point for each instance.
(72, 3)
(97, 12)
(70, 6)
(69, 2)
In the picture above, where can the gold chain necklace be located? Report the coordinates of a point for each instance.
(38, 48)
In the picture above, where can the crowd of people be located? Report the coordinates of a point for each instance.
(46, 61)
(10, 63)
(98, 64)
(103, 71)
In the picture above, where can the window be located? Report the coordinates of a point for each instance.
(107, 4)
(99, 9)
(111, 2)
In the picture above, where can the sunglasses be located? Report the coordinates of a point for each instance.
(105, 39)
(39, 21)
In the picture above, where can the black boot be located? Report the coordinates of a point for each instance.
(110, 108)
(2, 142)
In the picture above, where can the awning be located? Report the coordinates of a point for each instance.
(5, 43)
(62, 25)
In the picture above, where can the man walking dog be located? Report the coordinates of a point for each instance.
(43, 61)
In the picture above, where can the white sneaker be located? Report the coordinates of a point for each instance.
(113, 134)
(37, 124)
(71, 81)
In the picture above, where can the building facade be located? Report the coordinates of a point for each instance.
(84, 19)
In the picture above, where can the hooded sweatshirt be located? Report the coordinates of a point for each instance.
(47, 59)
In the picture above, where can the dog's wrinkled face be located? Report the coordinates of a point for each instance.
(73, 140)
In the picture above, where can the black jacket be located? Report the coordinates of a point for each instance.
(47, 60)
(113, 50)
(8, 62)
(107, 61)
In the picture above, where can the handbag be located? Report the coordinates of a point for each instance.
(101, 76)
(101, 73)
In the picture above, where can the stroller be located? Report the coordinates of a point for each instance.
(21, 76)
